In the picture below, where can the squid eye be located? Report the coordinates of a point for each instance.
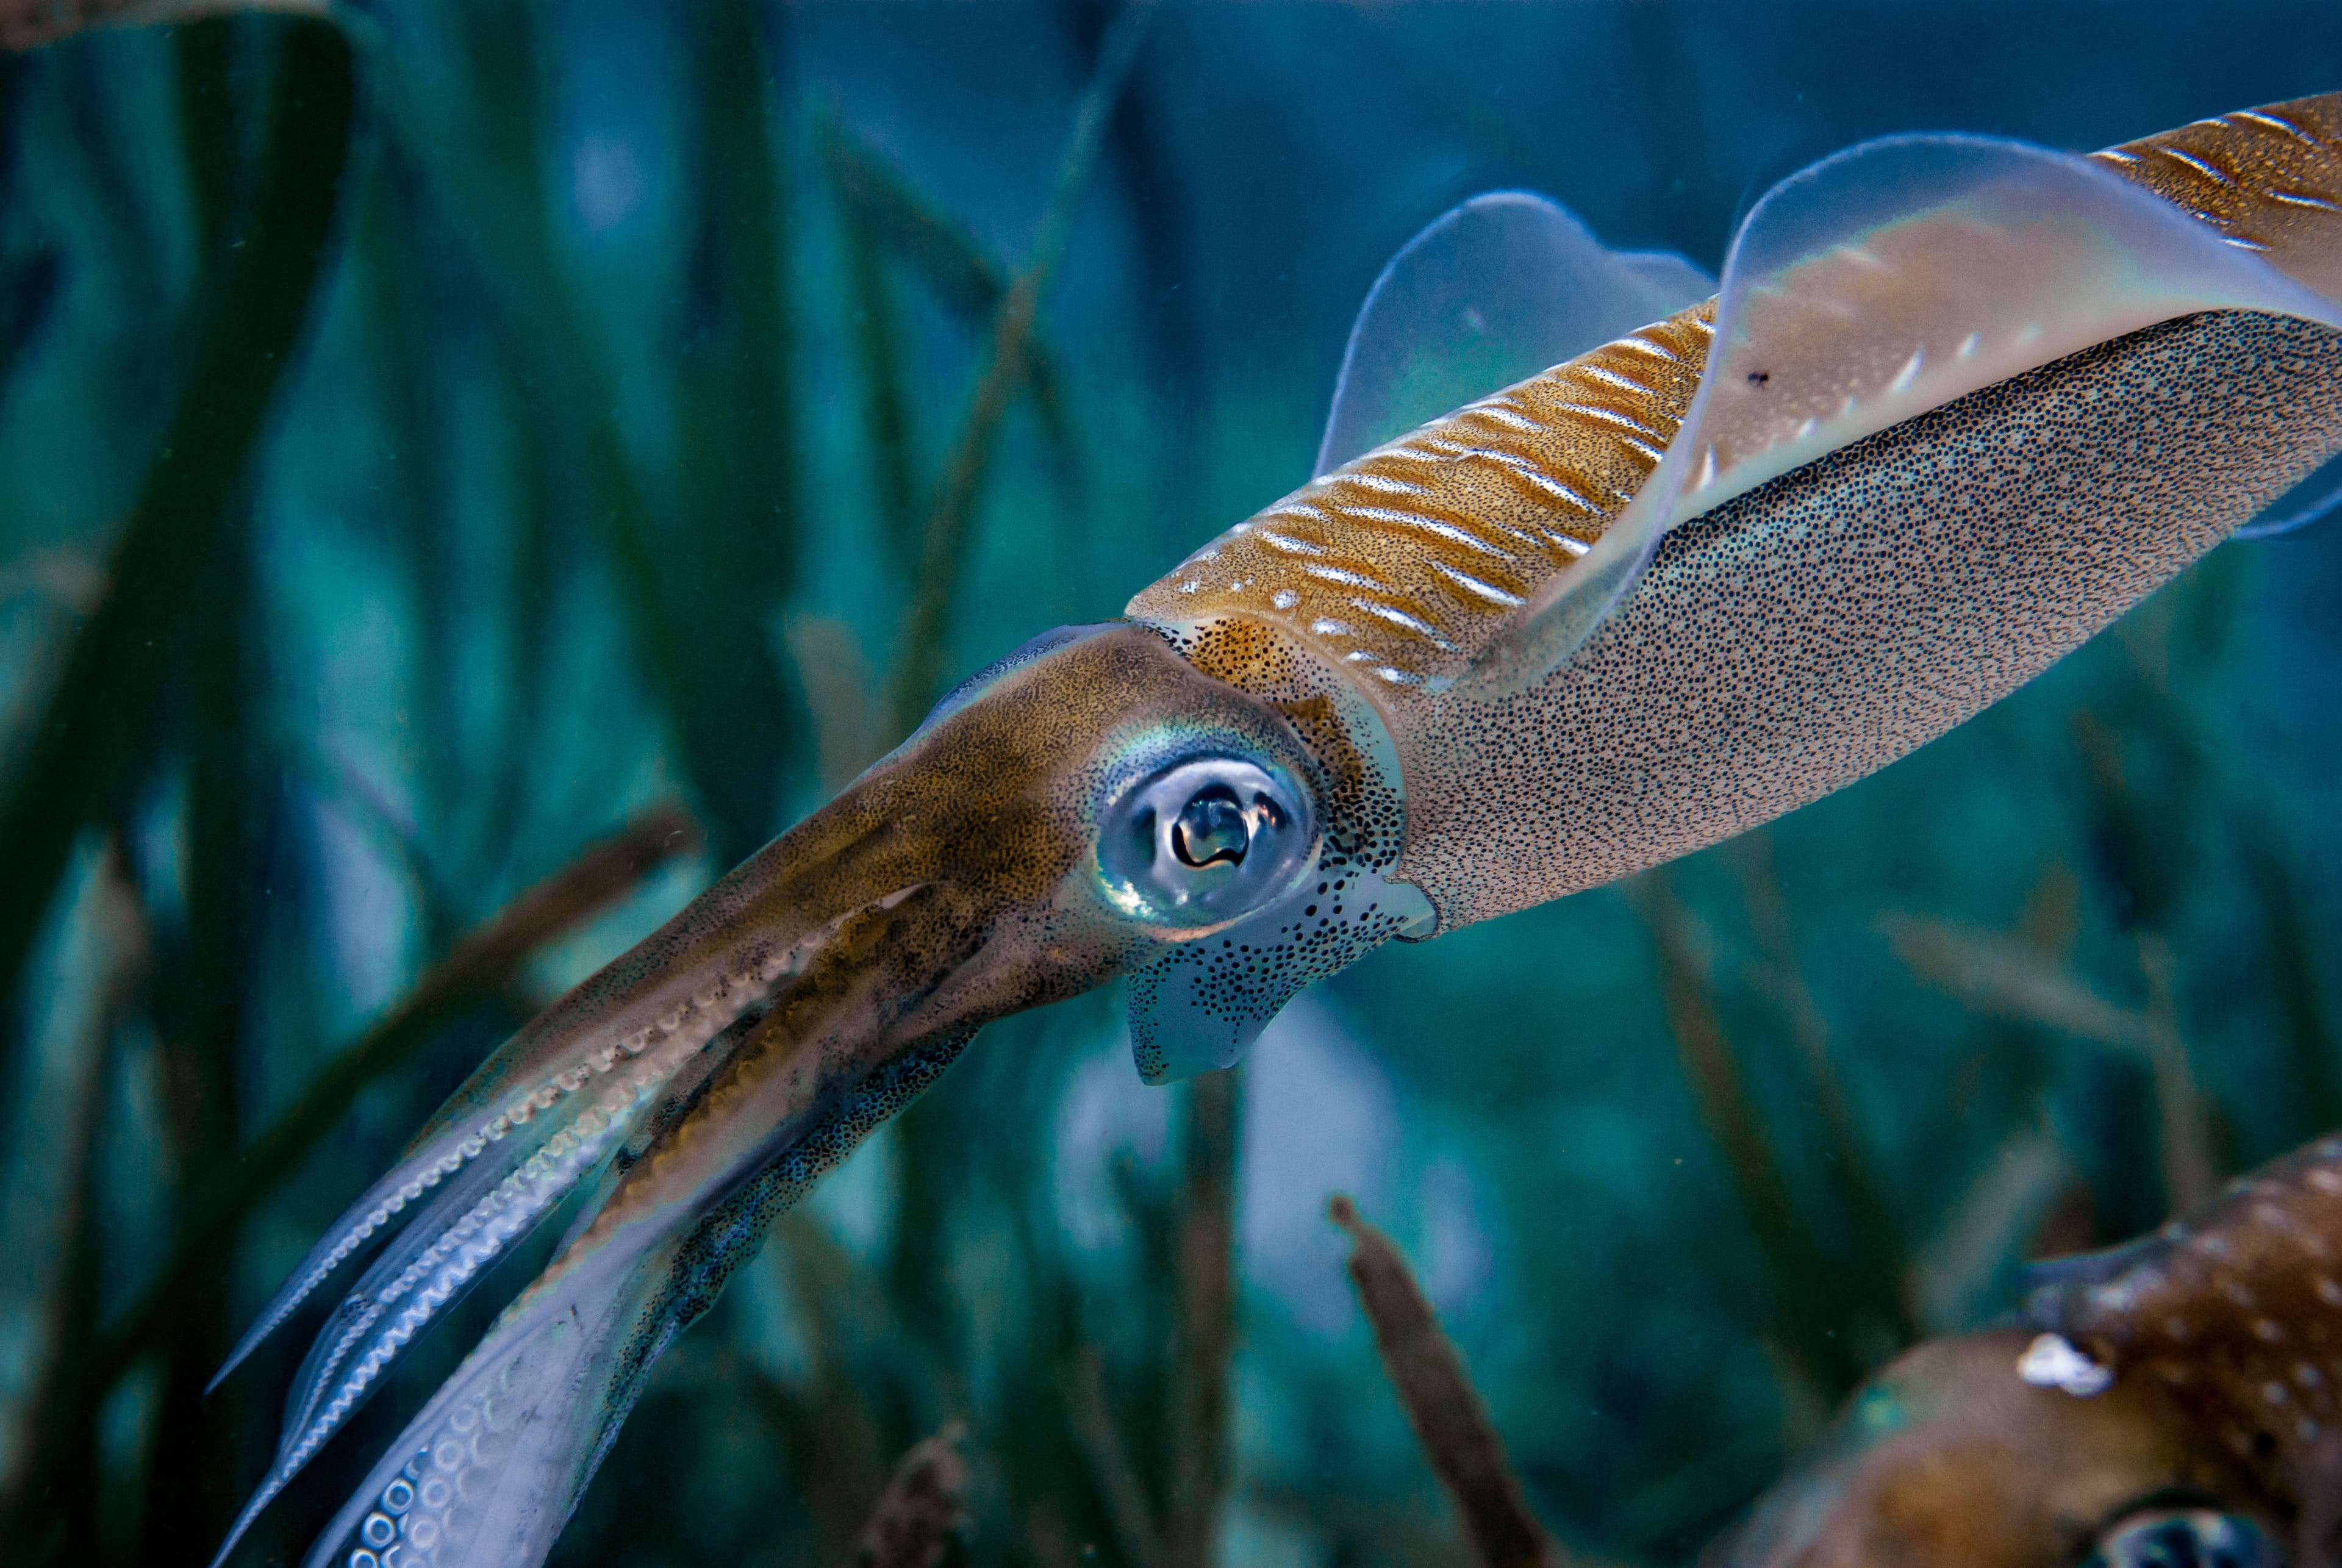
(2183, 1538)
(1204, 841)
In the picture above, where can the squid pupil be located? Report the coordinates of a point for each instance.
(1211, 828)
(2197, 1538)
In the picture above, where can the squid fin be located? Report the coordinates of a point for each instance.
(1492, 292)
(1888, 280)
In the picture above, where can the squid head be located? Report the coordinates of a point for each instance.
(1955, 404)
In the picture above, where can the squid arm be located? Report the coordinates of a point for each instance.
(1956, 404)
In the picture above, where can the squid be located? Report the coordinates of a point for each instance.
(2172, 1403)
(1689, 555)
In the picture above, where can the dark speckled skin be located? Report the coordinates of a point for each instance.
(1809, 633)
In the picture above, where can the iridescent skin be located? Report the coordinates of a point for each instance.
(1843, 585)
(2223, 1337)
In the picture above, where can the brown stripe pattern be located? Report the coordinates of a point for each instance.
(1402, 564)
(2270, 180)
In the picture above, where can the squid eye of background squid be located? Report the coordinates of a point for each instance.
(1955, 403)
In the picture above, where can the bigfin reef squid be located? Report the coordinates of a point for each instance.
(2175, 1403)
(1955, 404)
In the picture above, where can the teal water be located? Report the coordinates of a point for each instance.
(594, 473)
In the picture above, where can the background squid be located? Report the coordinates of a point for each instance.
(2188, 1419)
(1955, 404)
(2188, 1423)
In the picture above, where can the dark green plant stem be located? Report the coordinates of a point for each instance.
(1205, 1343)
(208, 983)
(944, 548)
(1802, 1269)
(201, 57)
(730, 569)
(67, 1528)
(96, 734)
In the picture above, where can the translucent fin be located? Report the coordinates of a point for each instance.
(1881, 283)
(489, 1471)
(1494, 291)
(2311, 502)
(1674, 282)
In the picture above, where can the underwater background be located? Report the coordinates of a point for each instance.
(464, 488)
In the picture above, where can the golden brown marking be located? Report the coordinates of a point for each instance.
(1424, 546)
(2270, 180)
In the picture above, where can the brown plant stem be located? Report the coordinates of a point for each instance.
(1883, 1258)
(922, 1508)
(1998, 975)
(1446, 1411)
(1801, 1269)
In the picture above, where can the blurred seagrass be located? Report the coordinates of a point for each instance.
(119, 933)
(29, 23)
(1990, 1226)
(886, 215)
(1128, 1515)
(31, 274)
(2013, 979)
(1828, 1317)
(97, 737)
(725, 574)
(481, 967)
(944, 543)
(699, 595)
(854, 173)
(1851, 1164)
